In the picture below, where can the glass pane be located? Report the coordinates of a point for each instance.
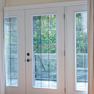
(44, 51)
(10, 30)
(81, 51)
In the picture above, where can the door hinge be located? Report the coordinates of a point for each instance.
(64, 16)
(64, 53)
(65, 90)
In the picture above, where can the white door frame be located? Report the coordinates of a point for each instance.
(70, 48)
(10, 11)
(20, 89)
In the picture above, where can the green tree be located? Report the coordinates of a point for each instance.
(81, 34)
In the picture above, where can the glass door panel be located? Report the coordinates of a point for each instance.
(44, 51)
(81, 51)
(11, 57)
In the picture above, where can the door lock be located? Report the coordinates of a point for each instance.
(28, 54)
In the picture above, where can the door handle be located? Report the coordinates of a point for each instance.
(28, 60)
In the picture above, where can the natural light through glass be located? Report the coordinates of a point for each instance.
(81, 51)
(10, 31)
(44, 51)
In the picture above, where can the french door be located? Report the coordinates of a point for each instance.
(45, 51)
(76, 50)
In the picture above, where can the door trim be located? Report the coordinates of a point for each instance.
(48, 5)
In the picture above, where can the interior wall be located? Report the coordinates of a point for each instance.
(29, 2)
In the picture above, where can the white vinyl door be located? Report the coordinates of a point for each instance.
(35, 45)
(76, 50)
(45, 51)
(14, 52)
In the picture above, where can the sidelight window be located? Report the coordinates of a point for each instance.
(81, 51)
(10, 31)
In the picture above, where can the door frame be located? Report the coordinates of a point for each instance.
(50, 5)
(46, 5)
(71, 36)
(20, 52)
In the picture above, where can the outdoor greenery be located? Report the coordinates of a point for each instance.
(44, 44)
(81, 33)
(44, 34)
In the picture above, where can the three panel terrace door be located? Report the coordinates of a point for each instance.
(46, 50)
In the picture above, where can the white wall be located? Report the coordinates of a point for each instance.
(29, 2)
